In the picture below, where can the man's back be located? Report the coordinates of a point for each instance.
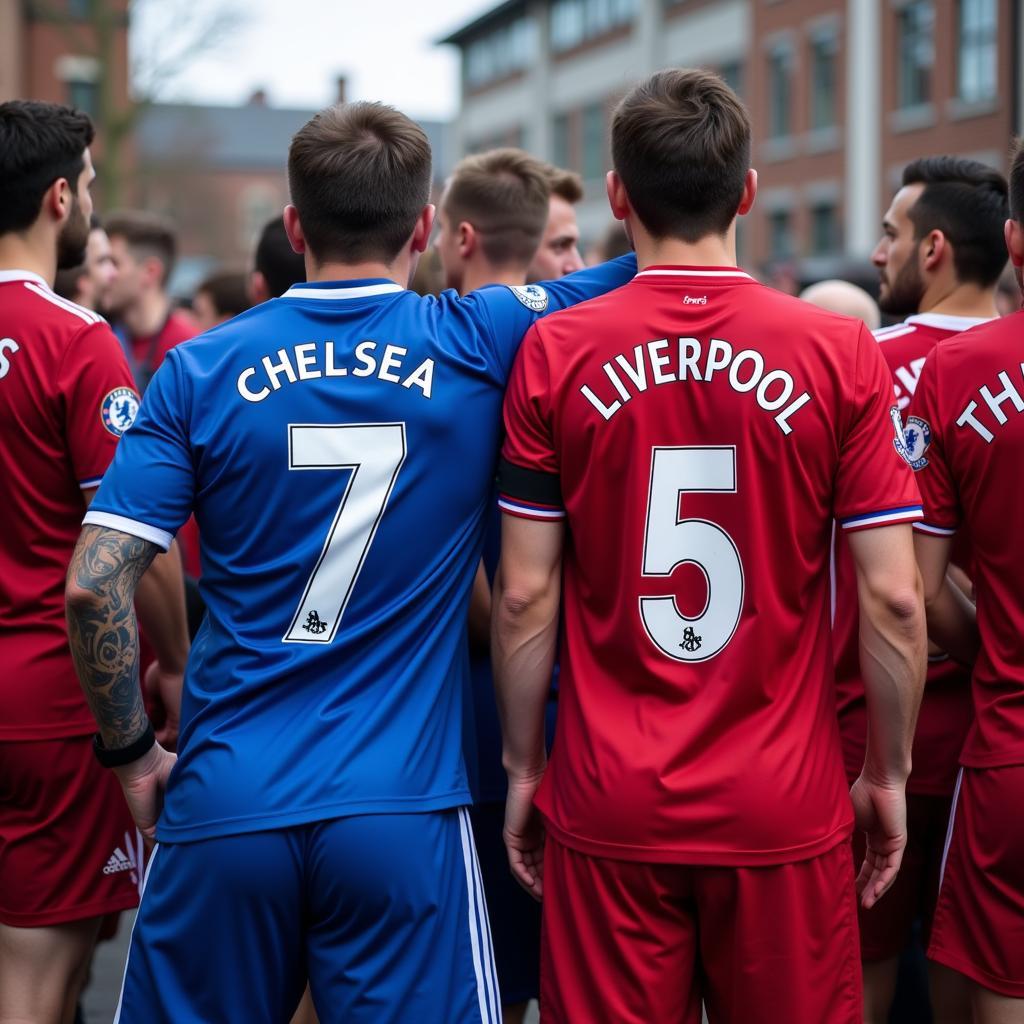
(705, 431)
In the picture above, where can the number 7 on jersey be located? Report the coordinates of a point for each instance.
(375, 453)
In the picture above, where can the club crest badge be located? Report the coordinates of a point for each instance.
(532, 296)
(917, 437)
(119, 409)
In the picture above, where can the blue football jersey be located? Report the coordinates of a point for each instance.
(338, 446)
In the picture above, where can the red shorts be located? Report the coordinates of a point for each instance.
(68, 846)
(979, 917)
(885, 929)
(632, 943)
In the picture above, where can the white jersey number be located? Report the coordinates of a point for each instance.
(375, 453)
(670, 542)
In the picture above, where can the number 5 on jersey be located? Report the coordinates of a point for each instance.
(670, 541)
(375, 453)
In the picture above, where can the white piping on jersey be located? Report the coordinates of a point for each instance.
(358, 292)
(69, 307)
(939, 531)
(897, 331)
(7, 276)
(947, 323)
(132, 527)
(695, 273)
(949, 827)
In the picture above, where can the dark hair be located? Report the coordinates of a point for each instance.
(147, 234)
(66, 281)
(966, 201)
(503, 193)
(280, 265)
(39, 144)
(1017, 182)
(681, 145)
(568, 185)
(359, 175)
(228, 291)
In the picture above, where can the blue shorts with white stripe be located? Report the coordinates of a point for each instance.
(384, 914)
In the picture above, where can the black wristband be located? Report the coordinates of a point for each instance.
(124, 755)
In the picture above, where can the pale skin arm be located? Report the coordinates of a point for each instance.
(105, 571)
(893, 659)
(952, 620)
(524, 635)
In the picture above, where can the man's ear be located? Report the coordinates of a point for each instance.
(467, 238)
(424, 225)
(58, 200)
(1014, 235)
(618, 201)
(259, 290)
(293, 229)
(749, 193)
(932, 248)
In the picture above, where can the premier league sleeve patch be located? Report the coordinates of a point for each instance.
(917, 437)
(119, 409)
(532, 296)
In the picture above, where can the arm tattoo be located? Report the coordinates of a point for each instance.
(104, 636)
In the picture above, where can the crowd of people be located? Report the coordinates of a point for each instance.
(477, 623)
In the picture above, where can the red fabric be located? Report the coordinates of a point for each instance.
(630, 943)
(973, 476)
(887, 927)
(148, 352)
(979, 919)
(733, 759)
(68, 846)
(945, 713)
(53, 392)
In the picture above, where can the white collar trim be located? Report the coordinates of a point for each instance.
(357, 292)
(946, 322)
(694, 273)
(22, 275)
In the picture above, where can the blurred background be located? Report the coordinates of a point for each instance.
(195, 103)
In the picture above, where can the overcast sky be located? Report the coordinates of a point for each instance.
(296, 48)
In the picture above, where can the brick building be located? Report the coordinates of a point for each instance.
(842, 94)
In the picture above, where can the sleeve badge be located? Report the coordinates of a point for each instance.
(532, 296)
(119, 409)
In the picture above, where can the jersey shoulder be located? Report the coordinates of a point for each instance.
(40, 305)
(1002, 339)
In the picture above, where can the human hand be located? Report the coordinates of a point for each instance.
(524, 834)
(880, 811)
(144, 782)
(163, 692)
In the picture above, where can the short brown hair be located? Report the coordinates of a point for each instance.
(681, 145)
(503, 193)
(1017, 182)
(568, 185)
(359, 175)
(147, 234)
(228, 291)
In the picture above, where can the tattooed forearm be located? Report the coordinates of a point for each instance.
(104, 636)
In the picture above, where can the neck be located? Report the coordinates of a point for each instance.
(398, 271)
(480, 275)
(147, 315)
(31, 251)
(954, 299)
(709, 251)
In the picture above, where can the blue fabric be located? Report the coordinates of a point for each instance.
(387, 406)
(382, 913)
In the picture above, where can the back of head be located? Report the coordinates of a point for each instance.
(567, 185)
(146, 234)
(228, 292)
(846, 298)
(39, 144)
(681, 145)
(503, 193)
(967, 202)
(280, 265)
(1016, 189)
(359, 175)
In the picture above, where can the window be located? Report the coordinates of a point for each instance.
(976, 51)
(502, 52)
(732, 72)
(826, 237)
(780, 90)
(573, 22)
(560, 155)
(916, 54)
(824, 55)
(593, 142)
(84, 96)
(780, 234)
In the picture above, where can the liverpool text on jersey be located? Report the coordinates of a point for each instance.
(994, 406)
(317, 359)
(659, 362)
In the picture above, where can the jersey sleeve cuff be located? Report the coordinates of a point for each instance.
(934, 529)
(882, 517)
(529, 510)
(130, 526)
(90, 482)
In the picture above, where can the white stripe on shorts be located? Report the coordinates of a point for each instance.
(124, 977)
(483, 960)
(949, 827)
(485, 918)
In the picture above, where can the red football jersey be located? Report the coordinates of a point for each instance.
(66, 396)
(946, 709)
(966, 438)
(700, 432)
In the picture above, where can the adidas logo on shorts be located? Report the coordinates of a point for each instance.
(119, 861)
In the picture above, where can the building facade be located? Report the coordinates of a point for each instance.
(842, 94)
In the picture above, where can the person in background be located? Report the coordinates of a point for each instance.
(88, 284)
(221, 296)
(559, 250)
(846, 298)
(1008, 292)
(276, 265)
(144, 247)
(614, 242)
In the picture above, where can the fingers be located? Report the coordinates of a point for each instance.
(528, 869)
(877, 875)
